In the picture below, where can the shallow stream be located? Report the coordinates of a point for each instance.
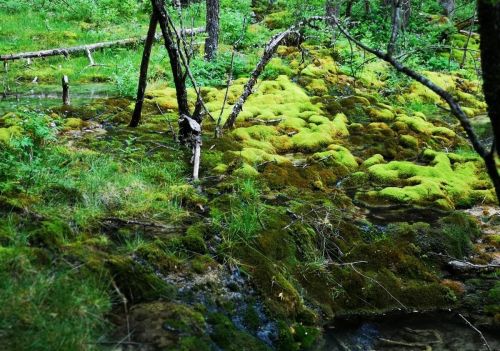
(437, 331)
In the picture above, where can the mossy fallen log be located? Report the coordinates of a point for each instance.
(83, 49)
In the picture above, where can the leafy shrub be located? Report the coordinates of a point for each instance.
(92, 11)
(214, 73)
(125, 80)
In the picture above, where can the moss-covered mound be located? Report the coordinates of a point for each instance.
(447, 181)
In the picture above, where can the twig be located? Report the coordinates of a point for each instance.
(477, 330)
(376, 282)
(218, 131)
(488, 156)
(125, 306)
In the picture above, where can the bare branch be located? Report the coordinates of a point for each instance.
(486, 155)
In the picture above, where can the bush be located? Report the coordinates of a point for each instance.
(214, 73)
(125, 80)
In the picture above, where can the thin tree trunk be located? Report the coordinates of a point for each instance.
(332, 9)
(406, 13)
(348, 9)
(143, 78)
(174, 56)
(212, 41)
(489, 29)
(65, 87)
(367, 7)
(396, 26)
(466, 46)
(448, 7)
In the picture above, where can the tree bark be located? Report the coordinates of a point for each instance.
(348, 9)
(448, 7)
(65, 87)
(143, 78)
(212, 41)
(174, 56)
(489, 29)
(332, 9)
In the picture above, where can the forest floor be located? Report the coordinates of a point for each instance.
(337, 201)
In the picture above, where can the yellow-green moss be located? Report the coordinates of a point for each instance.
(317, 87)
(73, 123)
(338, 157)
(374, 160)
(409, 141)
(420, 125)
(442, 183)
(246, 171)
(6, 134)
(380, 114)
(320, 68)
(277, 20)
(220, 168)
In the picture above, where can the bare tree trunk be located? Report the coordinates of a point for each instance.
(65, 87)
(189, 127)
(348, 9)
(269, 51)
(396, 26)
(406, 13)
(469, 35)
(367, 7)
(174, 56)
(332, 9)
(489, 29)
(143, 78)
(212, 41)
(448, 7)
(85, 48)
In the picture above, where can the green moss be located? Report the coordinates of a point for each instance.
(419, 92)
(457, 233)
(255, 156)
(374, 74)
(409, 141)
(317, 87)
(373, 160)
(380, 114)
(73, 123)
(337, 157)
(6, 134)
(418, 124)
(220, 168)
(138, 282)
(444, 184)
(203, 263)
(169, 325)
(227, 337)
(246, 171)
(277, 20)
(186, 194)
(320, 69)
(51, 234)
(309, 140)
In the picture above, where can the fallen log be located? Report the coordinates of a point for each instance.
(467, 267)
(87, 48)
